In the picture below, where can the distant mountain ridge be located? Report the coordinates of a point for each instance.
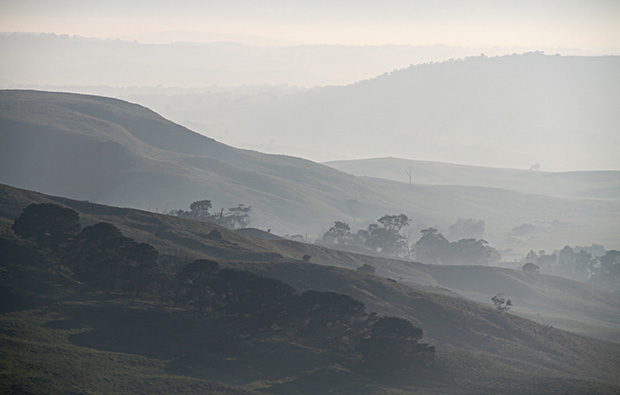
(508, 111)
(38, 58)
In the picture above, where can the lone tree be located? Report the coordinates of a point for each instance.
(49, 225)
(501, 304)
(530, 268)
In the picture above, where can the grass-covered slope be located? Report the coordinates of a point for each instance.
(106, 150)
(449, 320)
(478, 349)
(550, 300)
(114, 152)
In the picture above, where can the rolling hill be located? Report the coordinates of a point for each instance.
(508, 111)
(114, 152)
(575, 184)
(549, 300)
(478, 348)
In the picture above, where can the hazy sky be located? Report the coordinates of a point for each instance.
(587, 25)
(495, 27)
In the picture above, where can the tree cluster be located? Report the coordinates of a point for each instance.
(593, 264)
(233, 218)
(385, 236)
(433, 247)
(100, 257)
(382, 347)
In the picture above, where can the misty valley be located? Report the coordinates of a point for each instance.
(138, 256)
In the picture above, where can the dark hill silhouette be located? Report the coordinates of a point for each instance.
(550, 300)
(478, 347)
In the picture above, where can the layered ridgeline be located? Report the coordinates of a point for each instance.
(114, 152)
(108, 333)
(509, 111)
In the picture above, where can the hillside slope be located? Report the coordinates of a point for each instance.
(113, 152)
(479, 348)
(549, 300)
(78, 339)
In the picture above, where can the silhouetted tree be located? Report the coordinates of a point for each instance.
(610, 264)
(49, 225)
(197, 283)
(238, 217)
(471, 252)
(385, 237)
(261, 301)
(606, 270)
(103, 257)
(393, 348)
(431, 247)
(338, 234)
(574, 263)
(200, 210)
(409, 172)
(501, 303)
(544, 259)
(139, 263)
(326, 319)
(530, 268)
(434, 248)
(360, 238)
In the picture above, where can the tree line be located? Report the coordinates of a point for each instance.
(386, 237)
(593, 264)
(101, 258)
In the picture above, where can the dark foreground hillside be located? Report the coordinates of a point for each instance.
(65, 330)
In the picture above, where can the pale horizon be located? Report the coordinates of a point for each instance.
(584, 26)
